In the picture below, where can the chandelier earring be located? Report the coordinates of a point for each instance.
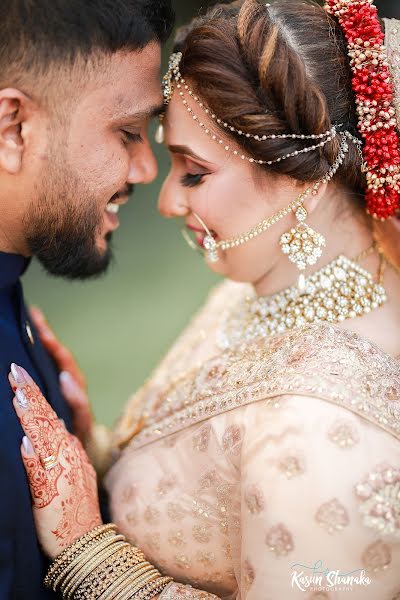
(302, 245)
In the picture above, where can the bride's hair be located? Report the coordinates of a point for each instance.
(276, 69)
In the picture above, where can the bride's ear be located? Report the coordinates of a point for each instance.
(14, 109)
(313, 200)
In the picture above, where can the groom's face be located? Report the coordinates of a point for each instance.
(96, 150)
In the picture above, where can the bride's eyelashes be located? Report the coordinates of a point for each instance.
(192, 180)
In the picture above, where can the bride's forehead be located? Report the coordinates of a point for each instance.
(182, 128)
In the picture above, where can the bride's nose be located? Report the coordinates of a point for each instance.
(172, 201)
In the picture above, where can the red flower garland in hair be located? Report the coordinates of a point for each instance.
(375, 103)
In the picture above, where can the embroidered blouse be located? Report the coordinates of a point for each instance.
(266, 471)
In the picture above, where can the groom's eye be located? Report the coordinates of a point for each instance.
(131, 138)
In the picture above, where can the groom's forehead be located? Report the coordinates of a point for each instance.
(131, 83)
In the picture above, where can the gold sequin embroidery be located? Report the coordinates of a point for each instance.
(377, 556)
(201, 439)
(232, 440)
(332, 516)
(343, 434)
(291, 466)
(175, 511)
(279, 540)
(357, 375)
(254, 499)
(248, 575)
(379, 496)
(182, 561)
(202, 533)
(152, 515)
(176, 538)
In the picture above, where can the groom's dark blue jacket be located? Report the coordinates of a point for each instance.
(22, 564)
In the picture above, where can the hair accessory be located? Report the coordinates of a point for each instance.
(375, 102)
(173, 78)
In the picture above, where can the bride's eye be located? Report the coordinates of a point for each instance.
(191, 180)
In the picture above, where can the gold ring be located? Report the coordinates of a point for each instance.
(48, 462)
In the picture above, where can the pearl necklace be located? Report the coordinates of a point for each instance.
(341, 290)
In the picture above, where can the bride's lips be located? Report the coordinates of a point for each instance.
(200, 234)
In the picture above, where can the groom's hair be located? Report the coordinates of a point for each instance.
(38, 37)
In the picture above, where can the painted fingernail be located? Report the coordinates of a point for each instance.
(17, 373)
(27, 444)
(22, 400)
(69, 384)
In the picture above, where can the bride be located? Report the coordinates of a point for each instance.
(261, 460)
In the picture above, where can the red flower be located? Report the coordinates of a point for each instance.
(375, 103)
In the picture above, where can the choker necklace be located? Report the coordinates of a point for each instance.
(341, 290)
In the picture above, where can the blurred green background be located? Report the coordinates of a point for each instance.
(120, 326)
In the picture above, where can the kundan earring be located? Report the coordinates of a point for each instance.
(302, 244)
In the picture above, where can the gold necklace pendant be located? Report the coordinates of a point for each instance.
(341, 290)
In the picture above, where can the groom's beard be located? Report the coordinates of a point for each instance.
(63, 224)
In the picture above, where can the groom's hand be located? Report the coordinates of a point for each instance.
(72, 380)
(61, 478)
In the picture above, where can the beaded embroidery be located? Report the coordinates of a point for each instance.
(379, 494)
(356, 375)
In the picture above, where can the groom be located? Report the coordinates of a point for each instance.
(79, 82)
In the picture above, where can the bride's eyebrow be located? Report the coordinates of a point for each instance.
(177, 149)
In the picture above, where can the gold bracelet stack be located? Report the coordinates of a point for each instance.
(101, 565)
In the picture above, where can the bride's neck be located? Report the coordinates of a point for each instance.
(347, 232)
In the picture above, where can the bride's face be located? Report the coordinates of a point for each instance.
(229, 194)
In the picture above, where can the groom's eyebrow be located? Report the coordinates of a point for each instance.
(149, 113)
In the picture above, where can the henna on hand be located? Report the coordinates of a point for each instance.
(64, 496)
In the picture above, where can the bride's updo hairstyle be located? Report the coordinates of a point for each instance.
(276, 69)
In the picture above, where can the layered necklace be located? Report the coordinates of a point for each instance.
(340, 290)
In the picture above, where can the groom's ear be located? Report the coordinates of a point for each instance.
(14, 108)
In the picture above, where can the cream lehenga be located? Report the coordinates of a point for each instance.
(267, 456)
(261, 460)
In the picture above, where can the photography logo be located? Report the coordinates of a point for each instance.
(318, 578)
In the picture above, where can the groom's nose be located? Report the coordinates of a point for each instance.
(143, 165)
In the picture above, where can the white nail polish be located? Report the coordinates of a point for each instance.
(21, 399)
(15, 372)
(26, 442)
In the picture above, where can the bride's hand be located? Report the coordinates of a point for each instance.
(61, 478)
(72, 380)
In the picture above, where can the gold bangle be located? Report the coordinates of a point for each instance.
(81, 559)
(77, 546)
(105, 574)
(75, 563)
(128, 560)
(156, 587)
(133, 572)
(138, 584)
(87, 569)
(73, 583)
